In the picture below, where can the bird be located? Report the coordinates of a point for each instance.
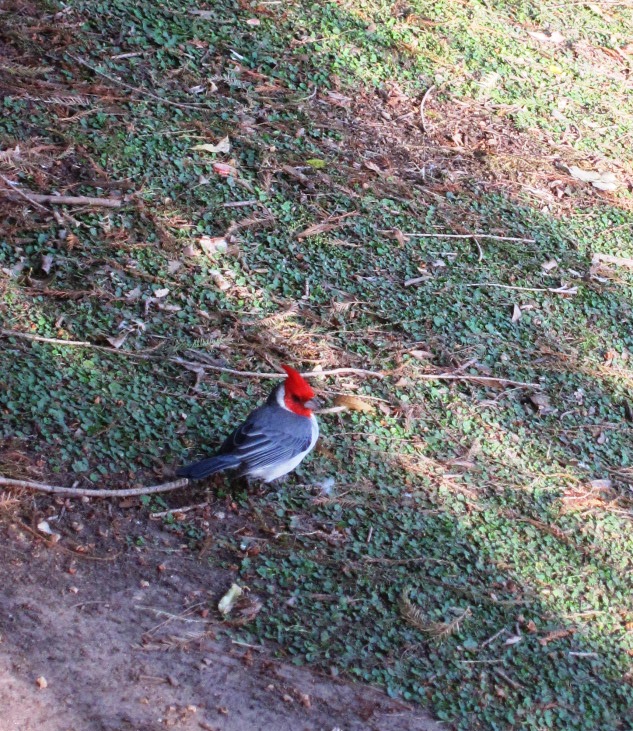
(273, 439)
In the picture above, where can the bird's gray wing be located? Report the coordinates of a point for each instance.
(259, 444)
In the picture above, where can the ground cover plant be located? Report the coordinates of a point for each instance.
(303, 183)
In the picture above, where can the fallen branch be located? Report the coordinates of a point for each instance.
(67, 200)
(482, 380)
(416, 280)
(553, 290)
(470, 236)
(14, 187)
(41, 339)
(240, 204)
(81, 492)
(194, 365)
(512, 683)
(185, 363)
(255, 374)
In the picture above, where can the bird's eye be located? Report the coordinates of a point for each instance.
(296, 398)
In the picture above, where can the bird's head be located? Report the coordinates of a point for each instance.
(298, 396)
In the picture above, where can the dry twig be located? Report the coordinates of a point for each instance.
(254, 374)
(81, 492)
(142, 92)
(482, 380)
(553, 290)
(470, 236)
(512, 683)
(20, 193)
(185, 363)
(172, 511)
(69, 200)
(427, 93)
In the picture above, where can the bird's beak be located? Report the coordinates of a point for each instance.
(313, 404)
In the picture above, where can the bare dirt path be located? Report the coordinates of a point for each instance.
(126, 645)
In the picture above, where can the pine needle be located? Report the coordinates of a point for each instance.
(17, 69)
(414, 616)
(64, 101)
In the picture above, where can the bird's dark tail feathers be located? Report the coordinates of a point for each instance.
(208, 467)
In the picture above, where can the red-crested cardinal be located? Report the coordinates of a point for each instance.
(274, 438)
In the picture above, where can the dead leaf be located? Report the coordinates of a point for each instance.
(607, 185)
(297, 174)
(458, 138)
(513, 640)
(227, 602)
(597, 10)
(190, 250)
(317, 228)
(516, 313)
(160, 293)
(554, 37)
(613, 53)
(44, 527)
(118, 342)
(549, 265)
(421, 354)
(608, 259)
(557, 634)
(224, 170)
(464, 462)
(602, 181)
(224, 145)
(173, 266)
(603, 484)
(253, 22)
(339, 100)
(212, 245)
(372, 166)
(247, 608)
(133, 294)
(542, 403)
(353, 403)
(47, 263)
(399, 236)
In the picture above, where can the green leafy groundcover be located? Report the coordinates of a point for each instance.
(463, 558)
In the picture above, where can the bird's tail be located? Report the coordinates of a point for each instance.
(208, 467)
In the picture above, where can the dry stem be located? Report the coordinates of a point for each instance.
(81, 492)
